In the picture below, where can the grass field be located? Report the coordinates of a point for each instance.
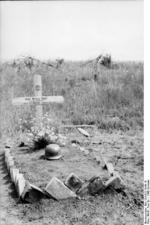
(113, 101)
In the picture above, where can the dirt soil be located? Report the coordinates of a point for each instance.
(124, 150)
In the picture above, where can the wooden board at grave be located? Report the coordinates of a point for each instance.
(42, 99)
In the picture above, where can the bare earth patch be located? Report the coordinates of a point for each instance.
(124, 150)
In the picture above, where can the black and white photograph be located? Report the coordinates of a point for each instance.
(72, 113)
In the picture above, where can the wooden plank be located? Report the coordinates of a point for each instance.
(52, 99)
(76, 126)
(84, 132)
(21, 100)
(39, 100)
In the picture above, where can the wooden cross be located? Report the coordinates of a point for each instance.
(38, 99)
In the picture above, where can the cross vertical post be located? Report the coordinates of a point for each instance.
(38, 93)
(38, 100)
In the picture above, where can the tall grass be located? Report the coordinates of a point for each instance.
(113, 101)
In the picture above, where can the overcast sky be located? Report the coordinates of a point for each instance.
(75, 30)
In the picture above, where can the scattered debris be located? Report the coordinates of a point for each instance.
(75, 142)
(74, 145)
(7, 146)
(85, 151)
(8, 143)
(84, 132)
(58, 190)
(73, 182)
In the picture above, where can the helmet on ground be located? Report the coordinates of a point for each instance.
(52, 151)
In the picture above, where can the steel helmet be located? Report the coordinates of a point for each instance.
(52, 151)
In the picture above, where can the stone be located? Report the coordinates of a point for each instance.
(74, 145)
(17, 175)
(115, 181)
(20, 184)
(92, 187)
(104, 163)
(8, 146)
(73, 182)
(32, 193)
(96, 185)
(13, 174)
(7, 155)
(10, 163)
(110, 168)
(82, 149)
(84, 190)
(56, 189)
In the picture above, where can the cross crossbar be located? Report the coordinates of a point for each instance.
(38, 99)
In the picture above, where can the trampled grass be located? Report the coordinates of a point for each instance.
(114, 100)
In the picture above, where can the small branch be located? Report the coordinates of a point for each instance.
(76, 126)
